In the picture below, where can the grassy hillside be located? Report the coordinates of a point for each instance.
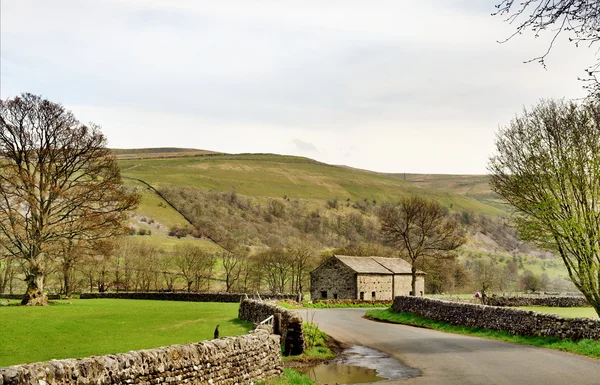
(161, 152)
(267, 175)
(472, 186)
(236, 196)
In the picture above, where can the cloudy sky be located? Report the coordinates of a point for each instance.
(392, 86)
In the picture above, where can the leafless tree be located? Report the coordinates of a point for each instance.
(57, 180)
(420, 229)
(486, 276)
(194, 264)
(276, 265)
(303, 259)
(579, 19)
(232, 260)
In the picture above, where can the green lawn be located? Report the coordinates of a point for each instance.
(80, 328)
(567, 312)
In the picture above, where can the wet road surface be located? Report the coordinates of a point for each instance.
(450, 359)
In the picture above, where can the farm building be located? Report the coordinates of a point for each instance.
(367, 278)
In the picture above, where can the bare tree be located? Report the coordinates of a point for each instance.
(194, 264)
(57, 180)
(166, 268)
(547, 167)
(8, 270)
(302, 258)
(579, 19)
(420, 229)
(69, 255)
(487, 276)
(232, 262)
(276, 265)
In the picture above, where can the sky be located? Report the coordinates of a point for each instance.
(390, 86)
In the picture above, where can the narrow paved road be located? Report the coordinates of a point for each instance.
(451, 359)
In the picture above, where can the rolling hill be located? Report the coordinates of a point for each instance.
(276, 176)
(259, 179)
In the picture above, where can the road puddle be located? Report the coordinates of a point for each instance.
(360, 364)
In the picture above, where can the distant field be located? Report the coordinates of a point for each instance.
(567, 312)
(268, 175)
(472, 186)
(161, 152)
(80, 328)
(154, 207)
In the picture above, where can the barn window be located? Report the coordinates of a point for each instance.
(362, 295)
(324, 294)
(334, 295)
(372, 295)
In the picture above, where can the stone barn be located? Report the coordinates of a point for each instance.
(365, 278)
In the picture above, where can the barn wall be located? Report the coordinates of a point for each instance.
(381, 284)
(402, 284)
(335, 278)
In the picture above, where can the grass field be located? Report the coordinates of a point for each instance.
(277, 176)
(566, 312)
(80, 328)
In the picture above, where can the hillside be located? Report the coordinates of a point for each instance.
(160, 152)
(277, 176)
(268, 201)
(472, 186)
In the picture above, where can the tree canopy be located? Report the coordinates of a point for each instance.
(547, 167)
(58, 184)
(420, 229)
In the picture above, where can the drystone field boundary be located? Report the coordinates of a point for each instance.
(227, 361)
(514, 321)
(20, 296)
(292, 333)
(189, 297)
(538, 301)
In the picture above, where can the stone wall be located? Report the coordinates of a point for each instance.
(292, 333)
(538, 301)
(227, 361)
(514, 321)
(191, 297)
(376, 303)
(20, 296)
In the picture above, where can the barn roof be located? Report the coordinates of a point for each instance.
(363, 264)
(395, 265)
(377, 265)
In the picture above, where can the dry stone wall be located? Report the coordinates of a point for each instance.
(191, 297)
(292, 333)
(514, 321)
(227, 361)
(538, 301)
(20, 296)
(350, 302)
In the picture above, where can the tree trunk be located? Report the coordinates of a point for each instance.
(34, 296)
(413, 282)
(67, 280)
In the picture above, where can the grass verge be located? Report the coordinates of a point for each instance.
(584, 347)
(80, 328)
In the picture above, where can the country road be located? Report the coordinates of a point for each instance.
(452, 359)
